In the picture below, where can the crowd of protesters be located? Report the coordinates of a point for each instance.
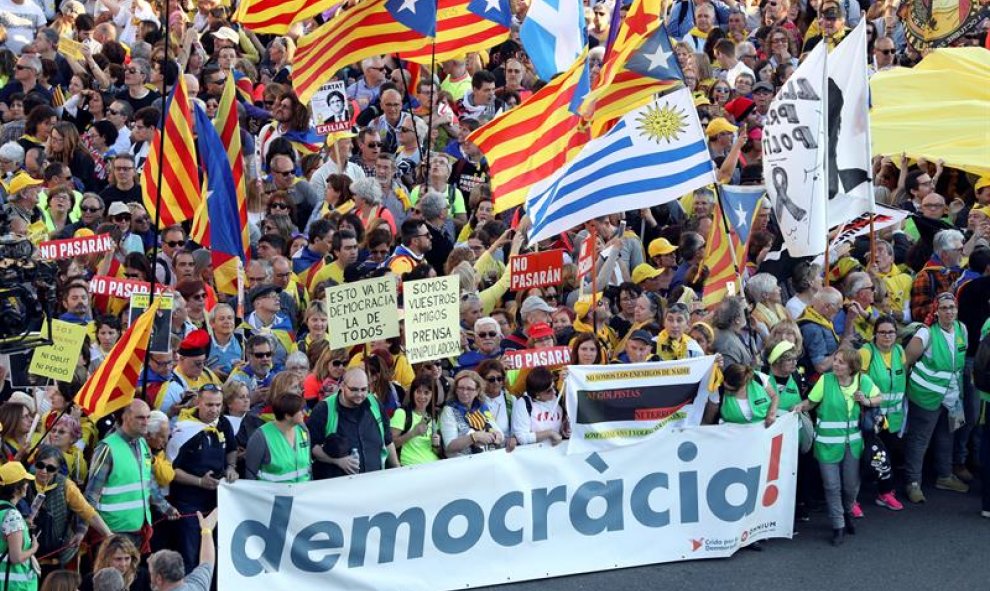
(879, 352)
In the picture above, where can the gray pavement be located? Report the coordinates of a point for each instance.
(943, 544)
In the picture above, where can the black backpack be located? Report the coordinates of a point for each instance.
(981, 364)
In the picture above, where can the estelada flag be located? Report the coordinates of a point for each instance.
(113, 384)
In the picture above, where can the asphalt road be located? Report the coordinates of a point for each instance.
(941, 545)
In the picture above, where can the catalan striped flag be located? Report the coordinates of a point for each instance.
(180, 195)
(721, 264)
(229, 128)
(227, 245)
(641, 64)
(372, 27)
(112, 386)
(741, 204)
(463, 26)
(276, 16)
(531, 142)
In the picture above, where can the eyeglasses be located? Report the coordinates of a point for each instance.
(133, 71)
(175, 243)
(123, 168)
(356, 390)
(46, 467)
(487, 335)
(467, 389)
(262, 354)
(113, 112)
(495, 379)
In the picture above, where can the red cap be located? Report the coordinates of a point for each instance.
(739, 108)
(196, 343)
(540, 330)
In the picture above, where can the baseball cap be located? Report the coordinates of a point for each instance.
(763, 87)
(13, 472)
(336, 136)
(535, 304)
(983, 181)
(262, 291)
(719, 125)
(643, 271)
(661, 246)
(227, 34)
(540, 330)
(21, 181)
(740, 107)
(118, 208)
(641, 335)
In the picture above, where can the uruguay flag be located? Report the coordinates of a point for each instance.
(553, 35)
(653, 155)
(221, 203)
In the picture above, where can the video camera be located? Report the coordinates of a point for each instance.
(27, 295)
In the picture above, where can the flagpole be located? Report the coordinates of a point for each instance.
(433, 90)
(728, 234)
(405, 96)
(158, 211)
(823, 145)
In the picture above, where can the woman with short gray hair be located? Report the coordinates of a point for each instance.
(763, 292)
(733, 339)
(367, 194)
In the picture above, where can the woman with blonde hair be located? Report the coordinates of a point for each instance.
(326, 375)
(119, 552)
(65, 146)
(466, 423)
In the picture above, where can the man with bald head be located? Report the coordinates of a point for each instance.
(347, 422)
(120, 486)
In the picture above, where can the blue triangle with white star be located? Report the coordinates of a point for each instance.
(497, 11)
(418, 15)
(655, 57)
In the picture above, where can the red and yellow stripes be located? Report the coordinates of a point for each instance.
(366, 30)
(180, 194)
(276, 16)
(529, 143)
(720, 263)
(458, 31)
(229, 130)
(113, 384)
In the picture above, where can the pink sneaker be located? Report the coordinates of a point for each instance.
(889, 501)
(857, 511)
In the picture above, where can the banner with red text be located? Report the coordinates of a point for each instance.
(618, 405)
(121, 288)
(57, 250)
(537, 269)
(679, 497)
(551, 357)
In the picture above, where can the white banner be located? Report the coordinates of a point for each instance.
(617, 405)
(793, 161)
(883, 218)
(560, 514)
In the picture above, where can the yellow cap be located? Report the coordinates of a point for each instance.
(701, 101)
(344, 134)
(661, 246)
(83, 233)
(583, 305)
(983, 181)
(719, 125)
(12, 473)
(642, 272)
(21, 181)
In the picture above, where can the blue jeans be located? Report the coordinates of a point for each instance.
(971, 410)
(841, 482)
(927, 427)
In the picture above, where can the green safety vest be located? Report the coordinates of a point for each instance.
(125, 500)
(287, 464)
(376, 411)
(892, 382)
(788, 395)
(16, 577)
(837, 425)
(759, 404)
(932, 374)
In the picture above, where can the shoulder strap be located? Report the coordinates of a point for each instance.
(409, 419)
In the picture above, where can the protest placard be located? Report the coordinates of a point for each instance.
(362, 311)
(432, 318)
(330, 108)
(550, 357)
(537, 269)
(586, 256)
(56, 250)
(58, 360)
(71, 48)
(120, 288)
(161, 330)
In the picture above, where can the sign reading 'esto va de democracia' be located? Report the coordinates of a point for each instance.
(559, 514)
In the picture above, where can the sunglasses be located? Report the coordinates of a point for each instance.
(197, 296)
(283, 172)
(487, 335)
(175, 243)
(132, 275)
(124, 217)
(374, 144)
(337, 363)
(495, 379)
(278, 205)
(45, 467)
(262, 354)
(887, 51)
